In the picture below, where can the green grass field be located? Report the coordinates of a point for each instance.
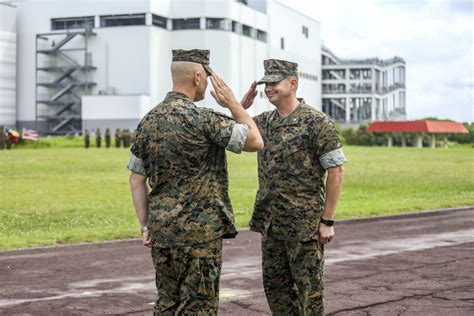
(67, 195)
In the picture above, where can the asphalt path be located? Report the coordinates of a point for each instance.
(417, 264)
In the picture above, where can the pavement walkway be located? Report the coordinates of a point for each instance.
(416, 264)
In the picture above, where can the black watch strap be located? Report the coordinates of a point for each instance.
(327, 222)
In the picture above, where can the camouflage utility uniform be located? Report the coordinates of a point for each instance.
(289, 205)
(87, 139)
(181, 150)
(118, 138)
(108, 138)
(98, 138)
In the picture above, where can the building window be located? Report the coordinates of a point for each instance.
(282, 43)
(215, 24)
(235, 27)
(305, 31)
(159, 21)
(186, 24)
(366, 74)
(354, 74)
(262, 36)
(308, 76)
(85, 22)
(122, 20)
(246, 30)
(338, 74)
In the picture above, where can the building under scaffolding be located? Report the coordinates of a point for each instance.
(361, 91)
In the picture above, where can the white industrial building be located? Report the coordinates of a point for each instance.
(7, 65)
(104, 64)
(363, 90)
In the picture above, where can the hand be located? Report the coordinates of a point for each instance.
(222, 93)
(326, 233)
(146, 238)
(249, 96)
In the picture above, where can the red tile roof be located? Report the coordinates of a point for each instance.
(434, 127)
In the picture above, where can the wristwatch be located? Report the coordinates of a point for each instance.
(327, 222)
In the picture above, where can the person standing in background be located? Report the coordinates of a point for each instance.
(87, 138)
(108, 138)
(98, 138)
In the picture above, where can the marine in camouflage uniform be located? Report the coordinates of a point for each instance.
(108, 138)
(2, 137)
(290, 202)
(98, 138)
(180, 149)
(87, 138)
(118, 138)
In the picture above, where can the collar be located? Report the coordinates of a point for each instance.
(178, 95)
(291, 119)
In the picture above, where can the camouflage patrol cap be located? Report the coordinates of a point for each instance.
(199, 56)
(277, 70)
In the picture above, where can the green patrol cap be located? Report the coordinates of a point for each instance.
(199, 56)
(277, 70)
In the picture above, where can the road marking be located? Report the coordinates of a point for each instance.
(125, 288)
(365, 250)
(229, 294)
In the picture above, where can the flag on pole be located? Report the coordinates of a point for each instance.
(30, 134)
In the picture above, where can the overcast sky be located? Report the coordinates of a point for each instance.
(435, 37)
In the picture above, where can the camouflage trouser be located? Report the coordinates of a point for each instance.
(187, 279)
(293, 276)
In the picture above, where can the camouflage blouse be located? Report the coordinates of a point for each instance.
(180, 148)
(291, 172)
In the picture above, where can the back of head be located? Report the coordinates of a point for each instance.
(182, 72)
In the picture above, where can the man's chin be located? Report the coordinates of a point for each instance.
(272, 99)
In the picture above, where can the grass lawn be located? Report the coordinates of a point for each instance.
(66, 195)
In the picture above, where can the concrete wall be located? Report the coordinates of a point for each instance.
(286, 23)
(117, 111)
(7, 65)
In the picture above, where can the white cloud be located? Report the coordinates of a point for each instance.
(435, 37)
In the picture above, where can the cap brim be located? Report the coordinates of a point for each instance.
(208, 69)
(271, 78)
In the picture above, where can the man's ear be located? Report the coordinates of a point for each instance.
(197, 78)
(294, 83)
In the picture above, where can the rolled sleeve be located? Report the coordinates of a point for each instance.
(135, 164)
(333, 158)
(237, 138)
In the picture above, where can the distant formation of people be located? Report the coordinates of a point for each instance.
(123, 138)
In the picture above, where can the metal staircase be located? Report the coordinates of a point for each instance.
(63, 72)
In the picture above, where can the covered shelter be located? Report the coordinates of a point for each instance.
(419, 128)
